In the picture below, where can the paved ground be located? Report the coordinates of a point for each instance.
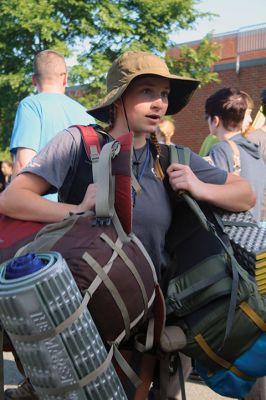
(194, 391)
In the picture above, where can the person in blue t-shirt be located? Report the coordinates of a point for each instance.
(40, 117)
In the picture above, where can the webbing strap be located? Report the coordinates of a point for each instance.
(97, 280)
(131, 267)
(181, 378)
(128, 371)
(112, 289)
(142, 348)
(119, 229)
(198, 286)
(219, 360)
(94, 161)
(90, 137)
(54, 331)
(236, 157)
(1, 363)
(180, 155)
(239, 223)
(134, 183)
(105, 196)
(245, 307)
(233, 300)
(82, 382)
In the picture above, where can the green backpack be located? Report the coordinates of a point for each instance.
(208, 294)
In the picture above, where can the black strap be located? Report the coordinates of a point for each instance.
(1, 363)
(181, 378)
(240, 224)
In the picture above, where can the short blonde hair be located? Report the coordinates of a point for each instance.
(49, 65)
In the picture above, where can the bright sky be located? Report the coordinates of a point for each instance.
(233, 15)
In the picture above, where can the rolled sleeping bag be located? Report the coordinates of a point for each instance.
(50, 326)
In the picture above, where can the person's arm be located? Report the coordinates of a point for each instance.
(234, 195)
(22, 200)
(23, 156)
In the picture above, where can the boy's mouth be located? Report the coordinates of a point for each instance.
(154, 117)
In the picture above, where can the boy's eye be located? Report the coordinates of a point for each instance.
(146, 91)
(165, 94)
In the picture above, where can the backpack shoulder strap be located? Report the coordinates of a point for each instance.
(170, 154)
(93, 138)
(180, 154)
(174, 153)
(236, 157)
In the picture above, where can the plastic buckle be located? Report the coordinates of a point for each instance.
(103, 221)
(211, 227)
(116, 146)
(176, 304)
(94, 157)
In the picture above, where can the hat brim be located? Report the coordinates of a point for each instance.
(181, 91)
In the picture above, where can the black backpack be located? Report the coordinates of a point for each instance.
(211, 297)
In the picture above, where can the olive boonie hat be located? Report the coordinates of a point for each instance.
(132, 64)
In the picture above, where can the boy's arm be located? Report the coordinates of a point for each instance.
(23, 200)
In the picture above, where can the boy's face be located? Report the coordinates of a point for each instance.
(146, 102)
(247, 120)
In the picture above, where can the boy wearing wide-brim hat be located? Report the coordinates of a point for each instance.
(140, 91)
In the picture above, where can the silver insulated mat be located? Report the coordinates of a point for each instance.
(68, 362)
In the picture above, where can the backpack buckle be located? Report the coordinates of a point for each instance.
(174, 304)
(211, 227)
(103, 221)
(94, 155)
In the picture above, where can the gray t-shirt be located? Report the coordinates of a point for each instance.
(252, 167)
(152, 211)
(259, 137)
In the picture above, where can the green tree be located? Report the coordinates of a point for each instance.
(93, 31)
(197, 62)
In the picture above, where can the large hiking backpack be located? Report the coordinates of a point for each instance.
(213, 299)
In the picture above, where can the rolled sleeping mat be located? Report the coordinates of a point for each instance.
(50, 326)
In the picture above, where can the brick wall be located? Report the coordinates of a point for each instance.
(191, 126)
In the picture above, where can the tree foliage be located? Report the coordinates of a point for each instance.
(92, 31)
(196, 62)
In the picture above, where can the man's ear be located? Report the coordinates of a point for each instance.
(65, 79)
(34, 80)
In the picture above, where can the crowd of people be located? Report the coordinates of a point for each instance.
(140, 92)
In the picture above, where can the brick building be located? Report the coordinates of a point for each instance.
(242, 64)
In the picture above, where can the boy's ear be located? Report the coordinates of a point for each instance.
(216, 120)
